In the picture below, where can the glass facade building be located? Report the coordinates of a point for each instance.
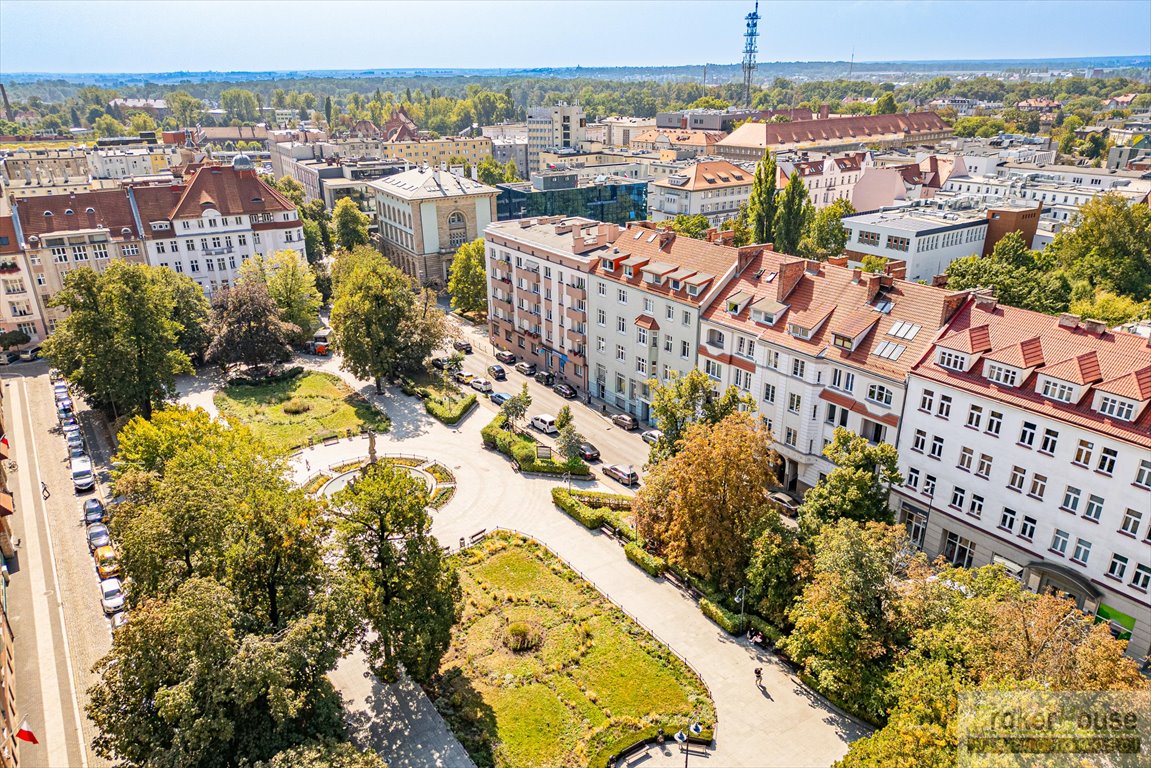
(615, 202)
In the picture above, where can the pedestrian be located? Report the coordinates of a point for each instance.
(307, 466)
(44, 490)
(759, 675)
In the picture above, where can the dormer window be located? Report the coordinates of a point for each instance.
(675, 285)
(693, 290)
(733, 307)
(767, 318)
(1117, 408)
(607, 264)
(1058, 390)
(628, 272)
(843, 342)
(952, 360)
(1001, 374)
(798, 331)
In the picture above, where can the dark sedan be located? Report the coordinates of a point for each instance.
(565, 390)
(588, 452)
(497, 372)
(463, 346)
(505, 357)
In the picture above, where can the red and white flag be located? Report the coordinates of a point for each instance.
(25, 732)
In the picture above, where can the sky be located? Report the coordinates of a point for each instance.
(176, 35)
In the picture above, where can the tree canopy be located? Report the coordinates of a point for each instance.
(248, 327)
(1108, 246)
(682, 401)
(1019, 276)
(351, 224)
(761, 206)
(859, 486)
(468, 282)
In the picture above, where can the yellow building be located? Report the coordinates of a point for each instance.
(437, 151)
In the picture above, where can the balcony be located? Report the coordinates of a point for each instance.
(223, 251)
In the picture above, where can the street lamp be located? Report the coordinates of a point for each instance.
(740, 594)
(681, 737)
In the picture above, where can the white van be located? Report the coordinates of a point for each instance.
(82, 477)
(545, 423)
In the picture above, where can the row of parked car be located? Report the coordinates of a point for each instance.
(112, 595)
(7, 357)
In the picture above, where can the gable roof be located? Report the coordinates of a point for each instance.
(861, 127)
(709, 174)
(59, 214)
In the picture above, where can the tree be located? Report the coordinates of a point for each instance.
(826, 232)
(141, 121)
(291, 189)
(780, 566)
(694, 226)
(1110, 308)
(703, 507)
(490, 172)
(846, 632)
(292, 286)
(405, 590)
(185, 108)
(792, 216)
(190, 310)
(885, 104)
(313, 241)
(741, 234)
(761, 206)
(515, 408)
(1109, 246)
(351, 224)
(1019, 276)
(857, 489)
(327, 754)
(681, 401)
(564, 417)
(9, 339)
(568, 443)
(873, 263)
(468, 281)
(106, 126)
(240, 104)
(119, 344)
(248, 327)
(328, 112)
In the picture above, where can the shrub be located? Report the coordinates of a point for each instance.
(316, 483)
(450, 411)
(521, 636)
(255, 381)
(296, 406)
(729, 622)
(614, 501)
(442, 497)
(583, 514)
(770, 632)
(522, 449)
(651, 564)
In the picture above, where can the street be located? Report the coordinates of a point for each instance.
(53, 596)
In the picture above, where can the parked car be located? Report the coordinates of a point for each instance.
(76, 453)
(625, 421)
(588, 452)
(481, 385)
(463, 377)
(59, 390)
(787, 505)
(98, 536)
(462, 346)
(497, 372)
(82, 477)
(622, 473)
(69, 424)
(564, 390)
(527, 369)
(445, 364)
(93, 511)
(505, 357)
(499, 398)
(111, 596)
(545, 423)
(8, 357)
(651, 436)
(107, 566)
(33, 353)
(547, 378)
(119, 620)
(75, 441)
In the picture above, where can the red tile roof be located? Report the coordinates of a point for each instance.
(647, 321)
(711, 174)
(1083, 369)
(230, 191)
(58, 214)
(861, 127)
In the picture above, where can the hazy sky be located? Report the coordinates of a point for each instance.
(146, 36)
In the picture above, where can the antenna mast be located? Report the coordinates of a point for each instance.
(750, 48)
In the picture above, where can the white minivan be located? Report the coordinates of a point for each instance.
(545, 423)
(82, 477)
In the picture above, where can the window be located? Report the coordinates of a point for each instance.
(743, 379)
(984, 468)
(1038, 486)
(1141, 578)
(966, 456)
(912, 478)
(601, 289)
(670, 312)
(1018, 476)
(241, 239)
(1050, 440)
(620, 352)
(1027, 529)
(1059, 542)
(1143, 476)
(769, 393)
(936, 447)
(621, 325)
(129, 250)
(684, 349)
(920, 441)
(929, 485)
(958, 550)
(944, 409)
(797, 368)
(843, 380)
(1057, 390)
(836, 416)
(641, 365)
(648, 305)
(641, 336)
(772, 359)
(1131, 520)
(794, 402)
(789, 437)
(994, 423)
(879, 394)
(1071, 499)
(621, 296)
(1027, 434)
(1117, 567)
(1002, 375)
(975, 508)
(600, 344)
(1094, 508)
(1107, 461)
(1007, 519)
(927, 400)
(667, 342)
(1082, 551)
(958, 497)
(601, 317)
(953, 361)
(713, 369)
(686, 318)
(1083, 452)
(975, 416)
(1123, 410)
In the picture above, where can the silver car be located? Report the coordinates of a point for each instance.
(111, 596)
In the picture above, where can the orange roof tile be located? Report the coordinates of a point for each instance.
(647, 321)
(1083, 369)
(1135, 385)
(59, 214)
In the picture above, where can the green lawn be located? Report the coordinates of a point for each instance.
(288, 413)
(591, 685)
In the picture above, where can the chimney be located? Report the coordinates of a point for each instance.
(873, 282)
(1094, 326)
(1068, 320)
(824, 111)
(665, 240)
(790, 273)
(986, 301)
(837, 261)
(939, 281)
(951, 305)
(855, 275)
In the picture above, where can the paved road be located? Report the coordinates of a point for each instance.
(53, 597)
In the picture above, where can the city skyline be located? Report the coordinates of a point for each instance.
(252, 38)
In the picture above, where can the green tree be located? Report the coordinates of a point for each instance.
(313, 241)
(351, 224)
(857, 489)
(739, 228)
(191, 312)
(761, 206)
(328, 754)
(107, 126)
(568, 443)
(694, 226)
(564, 417)
(1108, 246)
(141, 121)
(682, 401)
(515, 408)
(1111, 308)
(404, 588)
(491, 172)
(292, 287)
(827, 233)
(468, 281)
(291, 189)
(329, 112)
(240, 104)
(1019, 276)
(703, 508)
(885, 104)
(185, 108)
(779, 569)
(874, 264)
(248, 327)
(9, 339)
(792, 216)
(119, 344)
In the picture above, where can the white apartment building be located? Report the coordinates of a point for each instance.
(128, 162)
(927, 240)
(1060, 194)
(537, 290)
(563, 126)
(713, 188)
(820, 346)
(209, 226)
(827, 177)
(1027, 442)
(646, 294)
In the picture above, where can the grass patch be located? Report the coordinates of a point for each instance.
(544, 671)
(442, 497)
(288, 414)
(521, 447)
(316, 483)
(441, 473)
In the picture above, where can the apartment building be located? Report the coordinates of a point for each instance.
(537, 289)
(712, 188)
(424, 215)
(647, 292)
(619, 131)
(563, 126)
(438, 152)
(1026, 441)
(26, 164)
(749, 141)
(207, 227)
(128, 162)
(514, 150)
(15, 280)
(684, 143)
(820, 346)
(826, 177)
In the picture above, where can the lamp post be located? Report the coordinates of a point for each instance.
(740, 594)
(681, 737)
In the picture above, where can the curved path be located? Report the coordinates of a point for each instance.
(783, 724)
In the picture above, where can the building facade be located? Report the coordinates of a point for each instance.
(611, 199)
(827, 178)
(619, 131)
(126, 162)
(1027, 442)
(563, 126)
(685, 143)
(712, 188)
(926, 240)
(749, 141)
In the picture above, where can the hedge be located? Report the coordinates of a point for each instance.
(271, 378)
(651, 564)
(571, 502)
(605, 758)
(522, 450)
(615, 501)
(729, 622)
(449, 412)
(771, 633)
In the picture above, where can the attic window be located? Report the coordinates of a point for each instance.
(89, 210)
(638, 235)
(47, 213)
(767, 318)
(733, 307)
(653, 237)
(883, 306)
(904, 330)
(69, 212)
(798, 331)
(675, 285)
(628, 272)
(770, 276)
(843, 342)
(889, 350)
(693, 290)
(607, 264)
